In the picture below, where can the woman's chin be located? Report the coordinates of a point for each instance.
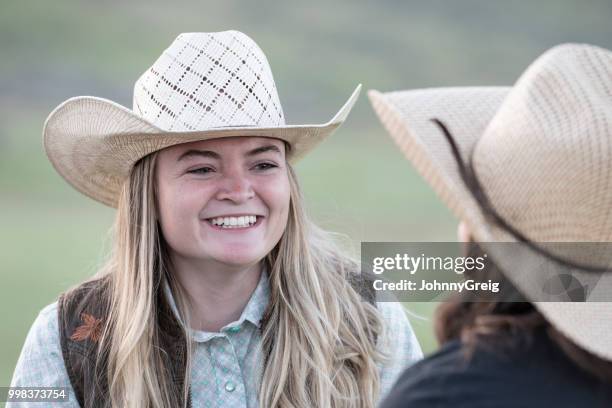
(235, 257)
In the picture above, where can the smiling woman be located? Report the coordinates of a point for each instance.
(207, 188)
(219, 290)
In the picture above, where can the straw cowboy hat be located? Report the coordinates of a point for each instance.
(531, 165)
(203, 86)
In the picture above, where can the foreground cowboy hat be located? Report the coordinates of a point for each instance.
(203, 86)
(529, 164)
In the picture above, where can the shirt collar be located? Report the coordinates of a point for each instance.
(253, 311)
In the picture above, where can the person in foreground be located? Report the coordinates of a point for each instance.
(219, 291)
(525, 166)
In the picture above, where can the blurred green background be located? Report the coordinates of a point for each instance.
(356, 183)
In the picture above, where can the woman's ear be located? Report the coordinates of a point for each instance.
(463, 232)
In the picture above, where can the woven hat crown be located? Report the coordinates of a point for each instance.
(545, 159)
(209, 80)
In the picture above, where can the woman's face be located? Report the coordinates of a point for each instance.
(223, 200)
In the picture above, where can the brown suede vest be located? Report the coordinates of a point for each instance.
(82, 312)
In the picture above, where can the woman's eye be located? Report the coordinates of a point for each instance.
(265, 166)
(201, 170)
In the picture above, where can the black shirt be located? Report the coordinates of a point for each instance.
(530, 374)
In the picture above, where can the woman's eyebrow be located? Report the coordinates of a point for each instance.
(263, 149)
(199, 153)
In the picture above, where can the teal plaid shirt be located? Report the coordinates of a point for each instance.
(225, 366)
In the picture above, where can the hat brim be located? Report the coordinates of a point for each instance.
(467, 111)
(94, 142)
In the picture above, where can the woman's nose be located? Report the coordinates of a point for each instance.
(235, 187)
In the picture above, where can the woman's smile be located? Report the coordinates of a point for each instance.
(234, 223)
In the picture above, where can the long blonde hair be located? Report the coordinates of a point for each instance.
(319, 336)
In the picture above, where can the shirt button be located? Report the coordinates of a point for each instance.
(229, 386)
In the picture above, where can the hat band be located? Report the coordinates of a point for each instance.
(468, 175)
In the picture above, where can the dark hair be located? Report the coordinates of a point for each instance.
(500, 324)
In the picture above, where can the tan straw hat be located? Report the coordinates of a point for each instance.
(203, 86)
(529, 164)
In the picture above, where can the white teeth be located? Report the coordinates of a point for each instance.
(234, 222)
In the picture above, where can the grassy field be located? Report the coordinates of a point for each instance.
(356, 183)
